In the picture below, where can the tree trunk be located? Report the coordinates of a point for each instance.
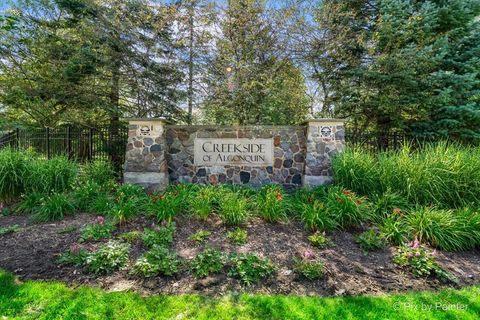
(191, 12)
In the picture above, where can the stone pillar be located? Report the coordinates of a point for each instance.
(325, 138)
(145, 161)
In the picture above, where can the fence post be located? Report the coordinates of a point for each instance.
(90, 144)
(47, 133)
(17, 138)
(69, 142)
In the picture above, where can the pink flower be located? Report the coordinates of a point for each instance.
(434, 252)
(397, 210)
(308, 254)
(75, 249)
(415, 243)
(100, 220)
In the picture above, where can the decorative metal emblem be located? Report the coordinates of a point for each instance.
(326, 131)
(145, 131)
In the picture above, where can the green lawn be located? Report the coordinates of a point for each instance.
(49, 300)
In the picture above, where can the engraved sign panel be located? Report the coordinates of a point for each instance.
(231, 151)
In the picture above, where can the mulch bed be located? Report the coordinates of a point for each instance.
(31, 253)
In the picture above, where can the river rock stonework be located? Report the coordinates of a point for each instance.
(292, 156)
(325, 138)
(289, 151)
(145, 160)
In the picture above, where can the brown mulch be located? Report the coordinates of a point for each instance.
(31, 253)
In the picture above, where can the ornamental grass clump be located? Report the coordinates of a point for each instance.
(130, 201)
(445, 229)
(445, 174)
(13, 168)
(53, 207)
(50, 176)
(201, 203)
(271, 203)
(233, 207)
(100, 172)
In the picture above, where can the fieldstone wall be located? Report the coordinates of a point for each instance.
(325, 138)
(287, 169)
(292, 156)
(145, 160)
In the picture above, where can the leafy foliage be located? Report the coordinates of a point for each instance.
(420, 261)
(232, 207)
(238, 236)
(271, 203)
(159, 236)
(13, 166)
(55, 175)
(97, 231)
(158, 260)
(310, 267)
(99, 172)
(319, 240)
(108, 257)
(9, 229)
(202, 202)
(250, 268)
(371, 240)
(53, 207)
(200, 236)
(207, 262)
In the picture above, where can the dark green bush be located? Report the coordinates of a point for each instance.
(444, 229)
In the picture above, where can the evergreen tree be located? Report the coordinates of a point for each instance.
(248, 84)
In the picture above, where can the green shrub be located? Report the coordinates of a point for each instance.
(200, 236)
(346, 208)
(237, 236)
(250, 268)
(131, 236)
(165, 206)
(97, 231)
(371, 240)
(90, 197)
(443, 229)
(394, 229)
(271, 204)
(319, 240)
(207, 262)
(201, 203)
(108, 258)
(309, 266)
(13, 168)
(420, 261)
(125, 211)
(315, 216)
(386, 203)
(158, 260)
(53, 207)
(76, 256)
(50, 176)
(30, 203)
(444, 174)
(161, 236)
(9, 229)
(233, 207)
(100, 172)
(130, 201)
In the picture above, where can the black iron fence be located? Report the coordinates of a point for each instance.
(79, 144)
(84, 144)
